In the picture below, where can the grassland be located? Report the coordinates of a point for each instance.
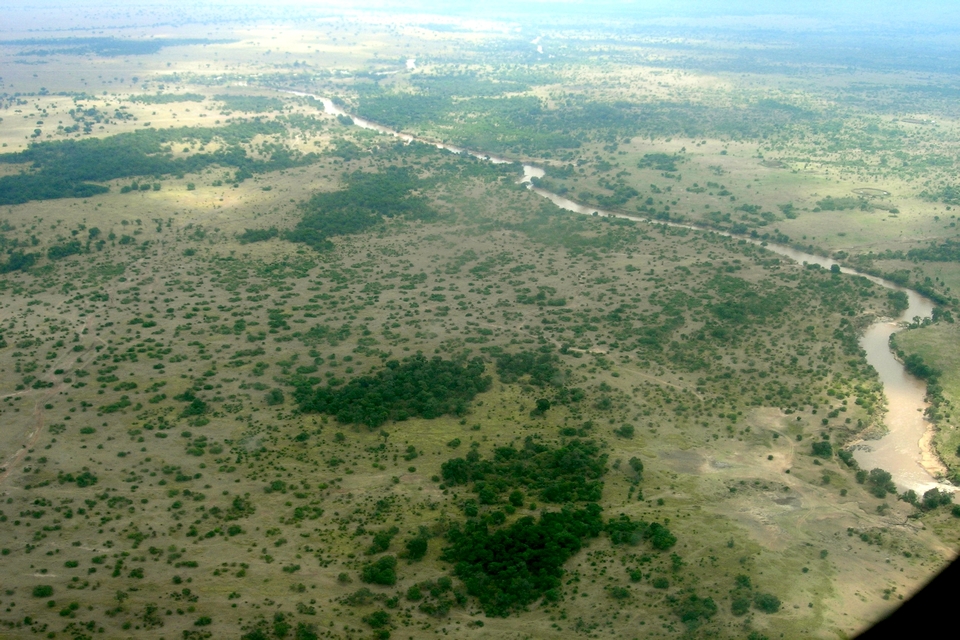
(161, 478)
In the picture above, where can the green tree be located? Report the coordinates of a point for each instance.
(275, 397)
(382, 571)
(766, 602)
(42, 591)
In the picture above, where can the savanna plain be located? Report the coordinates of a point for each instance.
(265, 373)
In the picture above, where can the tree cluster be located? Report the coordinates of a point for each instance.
(70, 168)
(367, 199)
(415, 387)
(515, 566)
(541, 366)
(571, 473)
(623, 530)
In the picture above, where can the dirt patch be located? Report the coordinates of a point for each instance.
(871, 193)
(684, 461)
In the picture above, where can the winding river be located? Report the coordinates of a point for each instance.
(906, 450)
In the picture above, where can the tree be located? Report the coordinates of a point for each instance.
(543, 405)
(911, 497)
(822, 449)
(740, 606)
(416, 548)
(383, 571)
(275, 397)
(934, 498)
(693, 609)
(626, 431)
(766, 602)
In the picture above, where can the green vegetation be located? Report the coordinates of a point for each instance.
(947, 251)
(257, 235)
(382, 571)
(166, 98)
(570, 473)
(625, 531)
(249, 104)
(513, 567)
(415, 387)
(467, 402)
(42, 591)
(694, 610)
(364, 203)
(102, 46)
(539, 369)
(71, 168)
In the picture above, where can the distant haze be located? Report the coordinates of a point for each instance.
(931, 12)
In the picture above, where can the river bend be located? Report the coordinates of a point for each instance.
(906, 450)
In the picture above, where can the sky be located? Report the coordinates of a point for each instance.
(858, 15)
(848, 9)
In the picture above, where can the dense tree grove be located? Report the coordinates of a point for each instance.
(418, 386)
(257, 235)
(104, 46)
(504, 122)
(915, 365)
(513, 567)
(166, 98)
(18, 261)
(250, 104)
(570, 473)
(946, 251)
(366, 200)
(71, 168)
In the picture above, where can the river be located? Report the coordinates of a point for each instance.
(906, 450)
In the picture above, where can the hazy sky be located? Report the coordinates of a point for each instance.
(866, 9)
(859, 15)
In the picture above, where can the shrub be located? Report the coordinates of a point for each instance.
(257, 235)
(381, 541)
(740, 606)
(619, 593)
(766, 602)
(377, 619)
(694, 609)
(42, 591)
